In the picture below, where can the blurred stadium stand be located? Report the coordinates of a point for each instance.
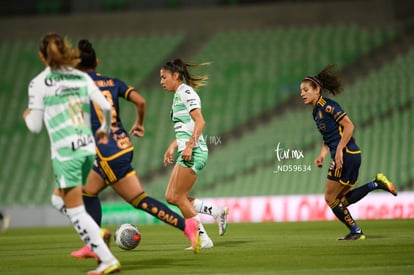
(259, 54)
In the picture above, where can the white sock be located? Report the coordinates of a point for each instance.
(205, 208)
(58, 203)
(89, 232)
(203, 232)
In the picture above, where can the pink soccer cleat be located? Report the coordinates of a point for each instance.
(191, 230)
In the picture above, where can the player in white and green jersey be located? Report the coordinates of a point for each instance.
(60, 97)
(186, 100)
(63, 98)
(192, 149)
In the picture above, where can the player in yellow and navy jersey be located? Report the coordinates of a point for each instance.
(337, 132)
(112, 165)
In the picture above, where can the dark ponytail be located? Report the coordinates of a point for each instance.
(179, 66)
(328, 79)
(87, 55)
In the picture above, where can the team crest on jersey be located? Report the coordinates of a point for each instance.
(329, 109)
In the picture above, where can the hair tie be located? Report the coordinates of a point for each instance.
(314, 80)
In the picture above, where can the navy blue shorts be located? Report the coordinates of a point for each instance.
(348, 174)
(114, 169)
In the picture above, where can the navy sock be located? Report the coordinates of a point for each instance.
(358, 193)
(159, 210)
(343, 214)
(93, 207)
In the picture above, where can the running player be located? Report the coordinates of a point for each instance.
(192, 149)
(337, 129)
(113, 160)
(60, 96)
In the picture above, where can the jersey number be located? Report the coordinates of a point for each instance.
(98, 110)
(76, 113)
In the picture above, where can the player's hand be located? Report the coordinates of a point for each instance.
(319, 161)
(101, 137)
(137, 131)
(187, 153)
(339, 158)
(168, 156)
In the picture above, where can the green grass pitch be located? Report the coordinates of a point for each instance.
(257, 248)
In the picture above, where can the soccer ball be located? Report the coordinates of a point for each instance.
(127, 236)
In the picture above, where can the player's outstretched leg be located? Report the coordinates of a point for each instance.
(384, 184)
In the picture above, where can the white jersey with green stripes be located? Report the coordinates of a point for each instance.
(185, 100)
(63, 97)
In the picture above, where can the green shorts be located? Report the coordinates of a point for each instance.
(197, 162)
(72, 173)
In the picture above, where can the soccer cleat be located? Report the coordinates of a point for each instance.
(222, 220)
(353, 237)
(205, 244)
(208, 243)
(191, 230)
(384, 184)
(6, 222)
(84, 253)
(108, 268)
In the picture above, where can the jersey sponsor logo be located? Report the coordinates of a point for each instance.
(67, 90)
(52, 79)
(122, 140)
(82, 141)
(192, 102)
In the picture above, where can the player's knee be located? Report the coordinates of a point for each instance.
(89, 192)
(329, 199)
(172, 198)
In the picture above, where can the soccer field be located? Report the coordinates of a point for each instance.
(257, 248)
